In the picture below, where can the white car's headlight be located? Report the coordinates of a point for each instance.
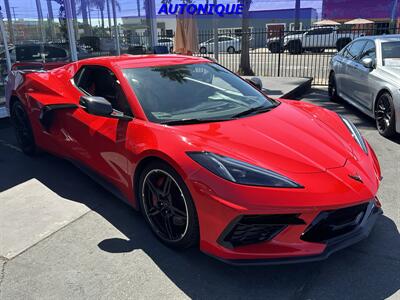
(241, 172)
(356, 134)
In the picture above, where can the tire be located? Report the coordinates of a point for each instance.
(295, 47)
(275, 48)
(171, 50)
(385, 115)
(203, 50)
(317, 50)
(332, 88)
(172, 218)
(231, 50)
(341, 43)
(23, 129)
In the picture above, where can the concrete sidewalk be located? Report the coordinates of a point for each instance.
(64, 237)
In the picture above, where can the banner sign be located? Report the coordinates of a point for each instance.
(201, 9)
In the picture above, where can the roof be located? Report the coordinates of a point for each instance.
(382, 38)
(140, 61)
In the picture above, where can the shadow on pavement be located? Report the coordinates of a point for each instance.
(368, 270)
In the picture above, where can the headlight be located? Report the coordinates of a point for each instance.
(356, 134)
(241, 172)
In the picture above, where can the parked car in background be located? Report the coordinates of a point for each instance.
(366, 73)
(226, 43)
(168, 42)
(318, 39)
(276, 45)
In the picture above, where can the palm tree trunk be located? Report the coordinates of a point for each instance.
(102, 17)
(84, 7)
(244, 67)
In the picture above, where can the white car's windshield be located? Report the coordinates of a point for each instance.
(193, 91)
(391, 54)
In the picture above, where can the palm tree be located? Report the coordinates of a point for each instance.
(100, 4)
(244, 67)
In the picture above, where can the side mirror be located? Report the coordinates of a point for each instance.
(99, 106)
(368, 62)
(256, 82)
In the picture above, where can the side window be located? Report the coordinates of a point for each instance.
(369, 50)
(55, 53)
(26, 53)
(101, 82)
(353, 51)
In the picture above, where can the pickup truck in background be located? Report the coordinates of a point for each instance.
(318, 39)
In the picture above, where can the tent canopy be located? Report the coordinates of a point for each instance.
(359, 21)
(326, 23)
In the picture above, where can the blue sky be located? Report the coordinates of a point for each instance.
(27, 8)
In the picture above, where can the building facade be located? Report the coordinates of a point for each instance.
(380, 11)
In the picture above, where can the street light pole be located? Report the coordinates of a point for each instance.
(297, 15)
(216, 45)
(394, 15)
(4, 35)
(40, 18)
(71, 30)
(9, 21)
(114, 12)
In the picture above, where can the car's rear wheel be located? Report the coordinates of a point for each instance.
(295, 47)
(23, 128)
(203, 50)
(171, 50)
(385, 115)
(231, 50)
(332, 88)
(167, 206)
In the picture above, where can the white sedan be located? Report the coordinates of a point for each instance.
(225, 44)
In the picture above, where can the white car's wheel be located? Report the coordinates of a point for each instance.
(231, 50)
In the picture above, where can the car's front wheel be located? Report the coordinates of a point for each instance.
(23, 129)
(332, 88)
(231, 50)
(385, 115)
(203, 50)
(167, 206)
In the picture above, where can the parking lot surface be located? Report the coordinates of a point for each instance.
(64, 237)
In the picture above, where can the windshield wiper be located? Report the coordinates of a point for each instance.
(193, 121)
(254, 110)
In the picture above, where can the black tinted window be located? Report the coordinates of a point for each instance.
(26, 53)
(353, 51)
(54, 53)
(101, 82)
(200, 91)
(369, 50)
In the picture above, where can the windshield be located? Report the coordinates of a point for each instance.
(391, 53)
(193, 91)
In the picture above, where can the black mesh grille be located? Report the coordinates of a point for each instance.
(255, 229)
(330, 224)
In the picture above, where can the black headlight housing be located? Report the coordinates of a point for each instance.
(241, 172)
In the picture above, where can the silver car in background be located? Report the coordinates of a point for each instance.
(366, 73)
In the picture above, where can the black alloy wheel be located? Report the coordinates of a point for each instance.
(167, 205)
(385, 115)
(23, 129)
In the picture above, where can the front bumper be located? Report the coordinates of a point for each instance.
(360, 232)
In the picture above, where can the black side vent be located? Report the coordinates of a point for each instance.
(330, 224)
(252, 229)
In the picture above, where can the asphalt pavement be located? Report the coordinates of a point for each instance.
(67, 238)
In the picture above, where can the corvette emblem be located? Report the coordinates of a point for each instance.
(356, 177)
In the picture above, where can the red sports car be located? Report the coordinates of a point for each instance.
(208, 158)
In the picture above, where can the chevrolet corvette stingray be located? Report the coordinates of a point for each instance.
(208, 158)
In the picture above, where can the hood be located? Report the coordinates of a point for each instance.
(287, 138)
